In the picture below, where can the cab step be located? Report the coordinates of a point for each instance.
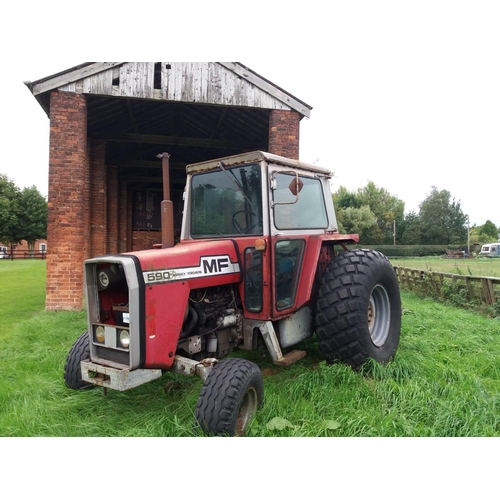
(290, 358)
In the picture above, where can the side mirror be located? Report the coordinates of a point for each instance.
(296, 186)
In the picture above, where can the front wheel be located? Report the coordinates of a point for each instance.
(358, 310)
(229, 398)
(72, 369)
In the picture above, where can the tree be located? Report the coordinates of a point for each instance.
(356, 221)
(442, 221)
(489, 229)
(410, 232)
(32, 216)
(343, 198)
(9, 211)
(387, 208)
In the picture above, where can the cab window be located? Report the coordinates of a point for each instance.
(304, 211)
(226, 202)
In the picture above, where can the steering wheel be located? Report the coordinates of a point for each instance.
(238, 226)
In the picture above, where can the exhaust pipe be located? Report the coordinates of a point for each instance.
(167, 207)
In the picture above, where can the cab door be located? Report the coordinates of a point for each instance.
(298, 213)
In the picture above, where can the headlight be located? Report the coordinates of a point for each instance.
(99, 334)
(124, 337)
(103, 279)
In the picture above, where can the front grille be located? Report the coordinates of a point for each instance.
(113, 355)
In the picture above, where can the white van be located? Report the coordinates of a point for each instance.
(490, 250)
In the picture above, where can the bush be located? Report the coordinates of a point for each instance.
(408, 250)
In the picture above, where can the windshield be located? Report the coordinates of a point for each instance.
(226, 202)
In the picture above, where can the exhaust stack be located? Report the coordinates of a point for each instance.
(167, 207)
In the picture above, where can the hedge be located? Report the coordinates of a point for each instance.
(408, 250)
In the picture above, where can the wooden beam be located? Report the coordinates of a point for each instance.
(178, 141)
(127, 162)
(72, 76)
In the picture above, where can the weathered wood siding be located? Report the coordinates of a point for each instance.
(196, 82)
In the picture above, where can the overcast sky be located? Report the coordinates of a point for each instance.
(404, 94)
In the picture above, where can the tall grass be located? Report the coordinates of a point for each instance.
(443, 382)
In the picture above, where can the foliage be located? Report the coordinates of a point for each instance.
(410, 231)
(9, 211)
(442, 221)
(387, 210)
(356, 221)
(374, 207)
(487, 233)
(32, 216)
(23, 214)
(408, 250)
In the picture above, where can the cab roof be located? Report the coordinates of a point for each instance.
(253, 157)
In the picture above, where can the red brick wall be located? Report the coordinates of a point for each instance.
(143, 240)
(284, 128)
(68, 178)
(123, 218)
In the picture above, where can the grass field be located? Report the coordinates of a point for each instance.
(443, 382)
(472, 267)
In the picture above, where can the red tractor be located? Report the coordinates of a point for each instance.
(260, 257)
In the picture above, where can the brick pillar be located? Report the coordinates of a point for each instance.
(99, 204)
(68, 167)
(123, 223)
(112, 209)
(284, 133)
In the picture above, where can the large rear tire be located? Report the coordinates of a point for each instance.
(358, 309)
(72, 369)
(229, 398)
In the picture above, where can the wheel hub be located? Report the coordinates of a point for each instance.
(379, 315)
(248, 409)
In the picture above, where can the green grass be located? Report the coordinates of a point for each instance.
(472, 267)
(22, 291)
(443, 382)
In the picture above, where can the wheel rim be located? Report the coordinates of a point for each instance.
(248, 409)
(379, 315)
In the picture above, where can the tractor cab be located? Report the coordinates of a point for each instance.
(277, 211)
(256, 194)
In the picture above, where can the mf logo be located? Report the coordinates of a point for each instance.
(214, 264)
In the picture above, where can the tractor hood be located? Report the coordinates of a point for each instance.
(191, 261)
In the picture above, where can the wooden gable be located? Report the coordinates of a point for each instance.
(217, 83)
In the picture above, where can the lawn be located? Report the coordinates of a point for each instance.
(22, 290)
(473, 267)
(443, 382)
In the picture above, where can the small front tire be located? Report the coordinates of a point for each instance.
(72, 369)
(229, 398)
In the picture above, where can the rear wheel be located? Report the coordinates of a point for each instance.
(72, 369)
(358, 310)
(229, 398)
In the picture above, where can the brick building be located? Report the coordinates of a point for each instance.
(108, 123)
